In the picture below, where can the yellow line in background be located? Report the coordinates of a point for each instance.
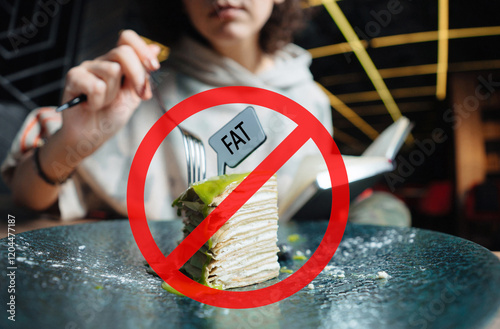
(338, 48)
(443, 49)
(408, 70)
(369, 96)
(402, 39)
(314, 3)
(474, 66)
(405, 71)
(393, 72)
(363, 57)
(350, 115)
(473, 32)
(341, 136)
(406, 107)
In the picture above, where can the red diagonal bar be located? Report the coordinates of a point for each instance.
(234, 201)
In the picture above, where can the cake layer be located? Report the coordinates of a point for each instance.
(243, 251)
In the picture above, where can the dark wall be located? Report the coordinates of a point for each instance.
(40, 40)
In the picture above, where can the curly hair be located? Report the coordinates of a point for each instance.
(166, 21)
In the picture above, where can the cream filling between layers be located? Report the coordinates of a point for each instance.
(243, 251)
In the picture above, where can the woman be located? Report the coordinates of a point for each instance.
(79, 161)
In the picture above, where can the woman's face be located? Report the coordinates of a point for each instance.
(225, 22)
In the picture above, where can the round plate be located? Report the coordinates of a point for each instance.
(93, 275)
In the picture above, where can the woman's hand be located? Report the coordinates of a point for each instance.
(114, 84)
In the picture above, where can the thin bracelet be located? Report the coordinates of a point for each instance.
(41, 173)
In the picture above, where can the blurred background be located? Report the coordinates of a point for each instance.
(435, 62)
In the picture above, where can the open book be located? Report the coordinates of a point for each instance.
(312, 186)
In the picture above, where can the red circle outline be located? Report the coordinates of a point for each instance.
(309, 125)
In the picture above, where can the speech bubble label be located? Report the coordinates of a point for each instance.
(237, 139)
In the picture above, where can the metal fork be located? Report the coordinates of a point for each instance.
(193, 146)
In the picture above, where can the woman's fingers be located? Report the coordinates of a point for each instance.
(148, 54)
(80, 81)
(110, 73)
(125, 67)
(135, 73)
(88, 79)
(136, 59)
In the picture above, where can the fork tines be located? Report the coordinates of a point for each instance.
(195, 156)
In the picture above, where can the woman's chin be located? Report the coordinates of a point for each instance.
(232, 35)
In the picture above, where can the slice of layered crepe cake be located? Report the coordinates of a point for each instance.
(243, 251)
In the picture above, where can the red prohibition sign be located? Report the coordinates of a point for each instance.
(308, 127)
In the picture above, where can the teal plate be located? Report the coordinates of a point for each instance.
(94, 276)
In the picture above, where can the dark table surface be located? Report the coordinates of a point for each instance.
(94, 276)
